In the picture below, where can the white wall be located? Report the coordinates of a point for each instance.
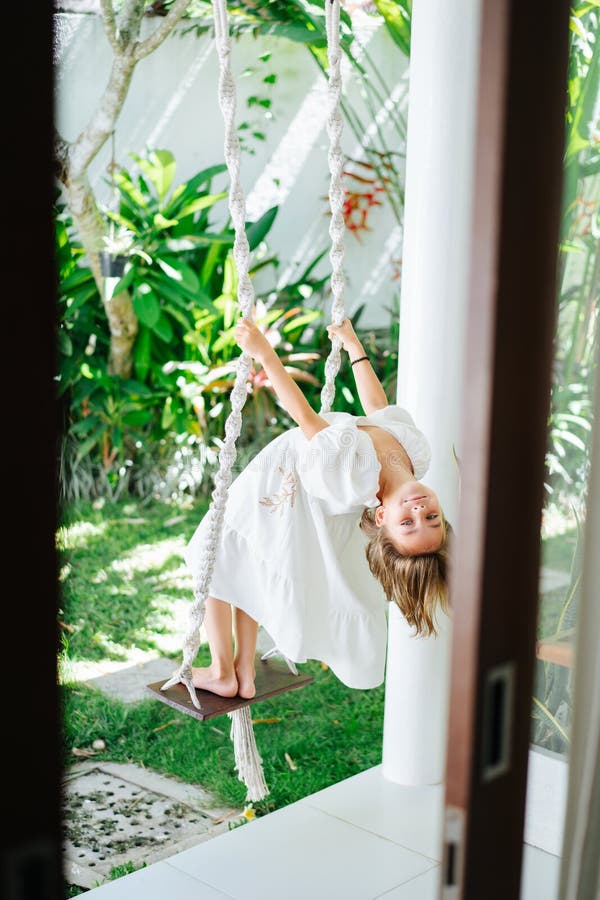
(172, 104)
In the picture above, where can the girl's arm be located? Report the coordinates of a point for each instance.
(253, 341)
(371, 393)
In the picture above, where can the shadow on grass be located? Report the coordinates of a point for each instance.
(121, 567)
(327, 730)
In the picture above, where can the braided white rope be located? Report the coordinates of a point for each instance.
(248, 761)
(239, 393)
(336, 196)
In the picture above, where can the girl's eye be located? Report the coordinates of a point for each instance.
(432, 516)
(406, 522)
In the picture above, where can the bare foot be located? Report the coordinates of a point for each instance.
(245, 677)
(207, 679)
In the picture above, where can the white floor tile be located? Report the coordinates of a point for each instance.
(409, 816)
(301, 853)
(423, 887)
(540, 874)
(156, 882)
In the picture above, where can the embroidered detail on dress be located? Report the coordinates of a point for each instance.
(289, 486)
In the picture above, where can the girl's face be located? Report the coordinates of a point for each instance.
(413, 520)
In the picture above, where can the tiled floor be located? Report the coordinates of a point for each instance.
(361, 839)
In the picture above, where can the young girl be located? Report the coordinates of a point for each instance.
(293, 557)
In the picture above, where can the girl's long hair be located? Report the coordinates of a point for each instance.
(417, 584)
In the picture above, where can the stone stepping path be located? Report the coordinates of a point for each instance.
(128, 684)
(118, 813)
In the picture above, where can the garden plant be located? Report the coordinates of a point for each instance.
(143, 406)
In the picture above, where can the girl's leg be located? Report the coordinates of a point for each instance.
(246, 630)
(220, 676)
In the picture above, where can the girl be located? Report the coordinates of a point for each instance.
(292, 555)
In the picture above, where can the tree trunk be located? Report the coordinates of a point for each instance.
(73, 160)
(122, 320)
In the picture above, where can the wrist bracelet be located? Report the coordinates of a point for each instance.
(360, 359)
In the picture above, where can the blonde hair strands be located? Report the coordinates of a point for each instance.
(417, 584)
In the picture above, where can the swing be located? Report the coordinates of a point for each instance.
(272, 677)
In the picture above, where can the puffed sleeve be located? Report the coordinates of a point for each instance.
(339, 466)
(399, 422)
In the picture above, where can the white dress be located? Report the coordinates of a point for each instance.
(292, 554)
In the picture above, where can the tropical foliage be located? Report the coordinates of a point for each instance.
(122, 434)
(579, 266)
(570, 418)
(303, 21)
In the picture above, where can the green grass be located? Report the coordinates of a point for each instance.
(328, 730)
(121, 568)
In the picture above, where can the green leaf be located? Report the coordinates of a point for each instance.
(163, 329)
(167, 289)
(78, 278)
(129, 189)
(125, 282)
(180, 272)
(305, 319)
(184, 320)
(189, 189)
(301, 34)
(141, 354)
(65, 344)
(257, 231)
(122, 220)
(117, 438)
(90, 443)
(230, 279)
(396, 14)
(146, 307)
(225, 238)
(159, 168)
(137, 418)
(136, 388)
(78, 299)
(204, 202)
(263, 264)
(84, 426)
(161, 222)
(579, 131)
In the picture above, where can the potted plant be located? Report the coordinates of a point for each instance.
(117, 247)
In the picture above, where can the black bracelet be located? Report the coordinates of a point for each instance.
(360, 359)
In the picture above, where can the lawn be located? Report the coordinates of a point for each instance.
(121, 571)
(121, 566)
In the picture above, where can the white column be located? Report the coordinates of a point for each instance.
(435, 256)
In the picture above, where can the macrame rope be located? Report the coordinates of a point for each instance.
(336, 196)
(247, 758)
(239, 393)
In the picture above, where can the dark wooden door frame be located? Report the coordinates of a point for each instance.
(494, 583)
(30, 857)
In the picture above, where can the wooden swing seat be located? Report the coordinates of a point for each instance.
(272, 677)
